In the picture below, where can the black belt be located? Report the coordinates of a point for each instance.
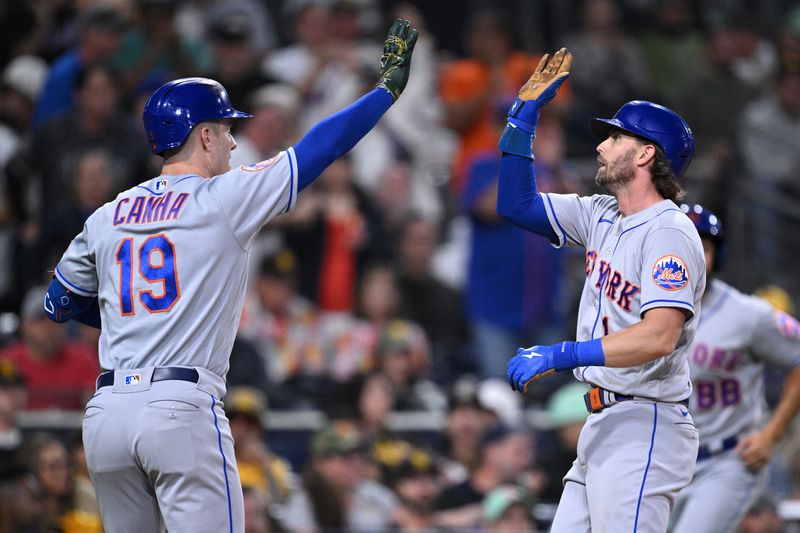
(162, 373)
(704, 452)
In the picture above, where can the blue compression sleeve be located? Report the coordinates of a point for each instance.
(517, 198)
(337, 134)
(61, 305)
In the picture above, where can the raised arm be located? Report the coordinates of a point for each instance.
(337, 134)
(517, 199)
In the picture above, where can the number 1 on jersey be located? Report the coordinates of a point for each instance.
(157, 264)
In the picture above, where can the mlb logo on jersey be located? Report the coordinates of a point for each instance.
(133, 379)
(670, 273)
(161, 185)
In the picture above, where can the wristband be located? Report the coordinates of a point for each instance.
(590, 353)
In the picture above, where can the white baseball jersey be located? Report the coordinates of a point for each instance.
(736, 335)
(653, 258)
(168, 261)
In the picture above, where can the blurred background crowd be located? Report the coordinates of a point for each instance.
(366, 386)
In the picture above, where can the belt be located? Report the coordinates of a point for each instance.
(162, 373)
(704, 452)
(598, 399)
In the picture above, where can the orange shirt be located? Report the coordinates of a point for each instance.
(465, 81)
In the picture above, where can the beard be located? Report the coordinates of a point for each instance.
(617, 175)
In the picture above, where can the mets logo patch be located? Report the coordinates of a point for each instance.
(258, 167)
(787, 325)
(133, 379)
(670, 273)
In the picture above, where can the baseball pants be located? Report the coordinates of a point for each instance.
(633, 459)
(720, 493)
(160, 455)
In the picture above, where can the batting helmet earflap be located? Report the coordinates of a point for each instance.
(179, 105)
(709, 226)
(655, 123)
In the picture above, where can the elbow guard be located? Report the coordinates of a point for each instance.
(62, 305)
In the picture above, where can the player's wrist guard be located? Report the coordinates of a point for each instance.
(520, 130)
(570, 354)
(396, 58)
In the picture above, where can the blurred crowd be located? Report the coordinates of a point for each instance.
(393, 286)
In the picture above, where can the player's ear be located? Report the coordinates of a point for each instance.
(647, 154)
(205, 136)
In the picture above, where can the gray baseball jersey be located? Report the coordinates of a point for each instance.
(736, 335)
(653, 258)
(168, 261)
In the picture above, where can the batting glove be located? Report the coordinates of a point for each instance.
(396, 58)
(538, 361)
(540, 88)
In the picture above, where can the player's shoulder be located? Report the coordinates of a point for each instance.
(669, 216)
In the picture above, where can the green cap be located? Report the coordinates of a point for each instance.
(340, 438)
(566, 405)
(498, 500)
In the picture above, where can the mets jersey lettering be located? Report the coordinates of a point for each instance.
(653, 258)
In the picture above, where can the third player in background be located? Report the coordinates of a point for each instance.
(736, 336)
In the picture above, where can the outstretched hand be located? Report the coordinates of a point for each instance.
(551, 72)
(396, 58)
(529, 364)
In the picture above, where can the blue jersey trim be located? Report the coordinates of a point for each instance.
(555, 217)
(668, 301)
(82, 292)
(291, 183)
(646, 468)
(602, 219)
(185, 178)
(224, 463)
(151, 191)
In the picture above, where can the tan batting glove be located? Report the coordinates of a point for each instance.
(543, 84)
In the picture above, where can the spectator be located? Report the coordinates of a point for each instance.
(85, 499)
(515, 280)
(12, 400)
(272, 128)
(335, 232)
(603, 52)
(256, 518)
(20, 87)
(467, 419)
(429, 302)
(403, 359)
(49, 481)
(321, 71)
(471, 88)
(507, 508)
(762, 517)
(284, 328)
(505, 454)
(259, 468)
(247, 367)
(756, 60)
(673, 50)
(235, 62)
(154, 46)
(567, 413)
(59, 374)
(96, 123)
(340, 496)
(413, 478)
(100, 31)
(94, 179)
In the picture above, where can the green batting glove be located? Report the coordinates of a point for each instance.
(396, 58)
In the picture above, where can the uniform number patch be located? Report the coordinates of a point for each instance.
(670, 273)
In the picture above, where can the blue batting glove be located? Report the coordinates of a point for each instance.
(538, 361)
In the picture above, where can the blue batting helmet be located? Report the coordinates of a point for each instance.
(709, 226)
(655, 123)
(178, 106)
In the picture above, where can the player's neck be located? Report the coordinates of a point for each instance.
(177, 168)
(637, 195)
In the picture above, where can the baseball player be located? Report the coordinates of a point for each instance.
(645, 277)
(735, 337)
(163, 269)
